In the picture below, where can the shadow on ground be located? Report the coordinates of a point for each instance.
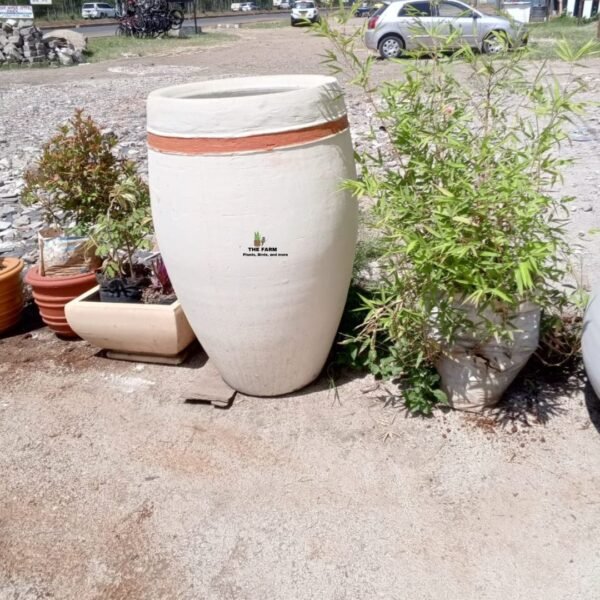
(30, 321)
(539, 393)
(592, 404)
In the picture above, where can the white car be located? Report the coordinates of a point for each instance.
(305, 12)
(248, 6)
(235, 7)
(98, 10)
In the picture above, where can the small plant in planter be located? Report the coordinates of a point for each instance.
(470, 229)
(160, 289)
(118, 234)
(73, 179)
(133, 313)
(72, 183)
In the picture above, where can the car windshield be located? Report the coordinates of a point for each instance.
(305, 4)
(88, 6)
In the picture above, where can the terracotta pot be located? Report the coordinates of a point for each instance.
(227, 159)
(11, 292)
(140, 332)
(52, 293)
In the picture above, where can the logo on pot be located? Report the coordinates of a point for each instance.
(258, 247)
(258, 240)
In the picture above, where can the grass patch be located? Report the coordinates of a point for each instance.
(543, 37)
(107, 48)
(267, 24)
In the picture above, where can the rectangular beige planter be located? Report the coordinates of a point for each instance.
(141, 332)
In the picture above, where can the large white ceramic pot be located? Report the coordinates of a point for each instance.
(252, 221)
(590, 341)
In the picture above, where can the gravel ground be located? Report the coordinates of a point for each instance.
(34, 101)
(113, 487)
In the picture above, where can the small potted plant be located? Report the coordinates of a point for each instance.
(11, 292)
(133, 312)
(71, 182)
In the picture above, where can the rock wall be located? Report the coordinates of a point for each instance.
(28, 44)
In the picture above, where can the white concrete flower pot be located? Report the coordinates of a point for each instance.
(141, 332)
(590, 341)
(252, 221)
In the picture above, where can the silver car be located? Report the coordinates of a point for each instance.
(417, 24)
(98, 10)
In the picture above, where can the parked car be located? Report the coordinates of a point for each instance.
(235, 7)
(363, 10)
(414, 24)
(98, 10)
(284, 5)
(305, 12)
(248, 6)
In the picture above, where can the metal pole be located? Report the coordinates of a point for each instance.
(195, 19)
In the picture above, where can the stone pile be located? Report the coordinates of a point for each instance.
(27, 44)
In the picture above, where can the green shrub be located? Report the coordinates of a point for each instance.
(75, 175)
(124, 228)
(470, 215)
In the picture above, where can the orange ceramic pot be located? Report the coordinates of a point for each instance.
(52, 293)
(11, 292)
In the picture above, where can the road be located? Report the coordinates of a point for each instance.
(106, 30)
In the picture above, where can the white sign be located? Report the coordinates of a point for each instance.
(40, 2)
(16, 12)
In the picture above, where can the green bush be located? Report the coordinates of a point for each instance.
(124, 228)
(470, 215)
(75, 175)
(84, 188)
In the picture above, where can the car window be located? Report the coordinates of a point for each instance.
(416, 9)
(450, 9)
(88, 6)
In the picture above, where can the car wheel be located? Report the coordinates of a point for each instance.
(293, 23)
(495, 42)
(391, 46)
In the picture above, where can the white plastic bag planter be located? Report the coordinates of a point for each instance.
(475, 372)
(255, 229)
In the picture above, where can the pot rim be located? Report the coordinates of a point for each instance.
(244, 106)
(34, 278)
(83, 298)
(242, 89)
(15, 266)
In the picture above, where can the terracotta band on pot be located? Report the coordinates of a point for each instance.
(253, 143)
